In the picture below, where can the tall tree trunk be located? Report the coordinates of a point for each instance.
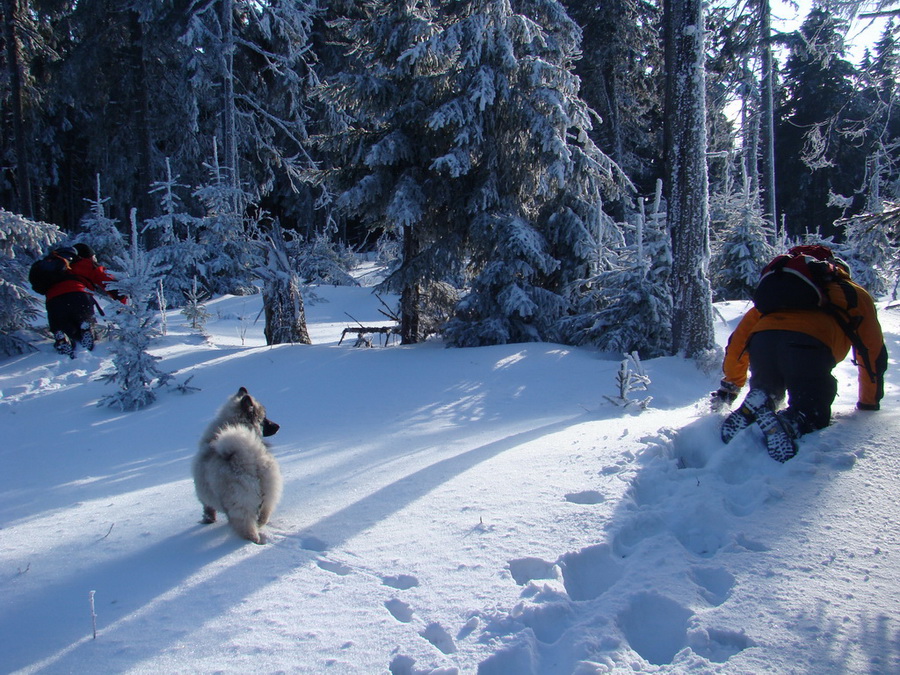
(16, 65)
(768, 113)
(144, 160)
(410, 304)
(229, 123)
(687, 181)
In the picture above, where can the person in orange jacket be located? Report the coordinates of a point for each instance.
(794, 352)
(70, 303)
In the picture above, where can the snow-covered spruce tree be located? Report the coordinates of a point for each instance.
(872, 250)
(474, 151)
(99, 231)
(282, 301)
(323, 260)
(132, 328)
(226, 235)
(539, 178)
(173, 236)
(252, 65)
(393, 170)
(742, 243)
(634, 312)
(22, 241)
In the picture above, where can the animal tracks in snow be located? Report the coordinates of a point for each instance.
(433, 632)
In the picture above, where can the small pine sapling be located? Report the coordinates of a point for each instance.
(194, 310)
(132, 329)
(631, 378)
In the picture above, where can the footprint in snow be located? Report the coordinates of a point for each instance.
(590, 572)
(400, 581)
(399, 610)
(311, 543)
(333, 566)
(524, 570)
(718, 645)
(440, 638)
(655, 627)
(585, 497)
(715, 583)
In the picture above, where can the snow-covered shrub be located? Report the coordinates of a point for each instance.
(22, 241)
(132, 328)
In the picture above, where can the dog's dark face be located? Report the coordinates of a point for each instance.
(256, 414)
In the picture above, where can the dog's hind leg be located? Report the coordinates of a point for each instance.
(246, 528)
(209, 515)
(265, 512)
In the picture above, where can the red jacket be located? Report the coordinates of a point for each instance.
(86, 276)
(825, 328)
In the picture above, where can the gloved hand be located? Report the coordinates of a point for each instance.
(867, 406)
(723, 396)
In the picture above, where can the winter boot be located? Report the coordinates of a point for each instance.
(87, 337)
(62, 345)
(779, 433)
(745, 415)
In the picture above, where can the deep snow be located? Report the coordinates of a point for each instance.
(445, 511)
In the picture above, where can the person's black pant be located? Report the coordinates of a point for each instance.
(783, 360)
(69, 312)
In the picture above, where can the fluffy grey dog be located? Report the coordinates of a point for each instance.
(234, 471)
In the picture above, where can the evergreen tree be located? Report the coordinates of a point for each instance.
(226, 235)
(101, 232)
(742, 244)
(21, 242)
(475, 149)
(174, 233)
(132, 328)
(635, 305)
(251, 71)
(619, 71)
(872, 249)
(194, 310)
(815, 159)
(879, 128)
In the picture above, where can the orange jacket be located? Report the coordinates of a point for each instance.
(822, 326)
(86, 276)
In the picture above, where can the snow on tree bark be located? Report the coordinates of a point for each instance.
(686, 178)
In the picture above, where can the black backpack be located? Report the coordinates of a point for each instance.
(795, 280)
(51, 270)
(798, 280)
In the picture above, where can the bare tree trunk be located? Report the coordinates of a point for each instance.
(229, 123)
(687, 180)
(768, 113)
(410, 300)
(144, 160)
(15, 63)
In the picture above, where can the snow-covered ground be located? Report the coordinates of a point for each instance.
(445, 511)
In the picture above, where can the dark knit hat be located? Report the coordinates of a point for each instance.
(84, 251)
(66, 252)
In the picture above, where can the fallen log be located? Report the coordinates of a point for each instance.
(359, 331)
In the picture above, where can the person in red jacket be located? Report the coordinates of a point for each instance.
(70, 303)
(794, 352)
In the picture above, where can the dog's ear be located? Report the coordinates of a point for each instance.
(248, 407)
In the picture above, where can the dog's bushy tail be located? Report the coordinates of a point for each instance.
(254, 479)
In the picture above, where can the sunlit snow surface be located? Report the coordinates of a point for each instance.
(445, 511)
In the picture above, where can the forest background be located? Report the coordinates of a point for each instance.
(582, 172)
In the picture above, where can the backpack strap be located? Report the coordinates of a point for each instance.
(850, 325)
